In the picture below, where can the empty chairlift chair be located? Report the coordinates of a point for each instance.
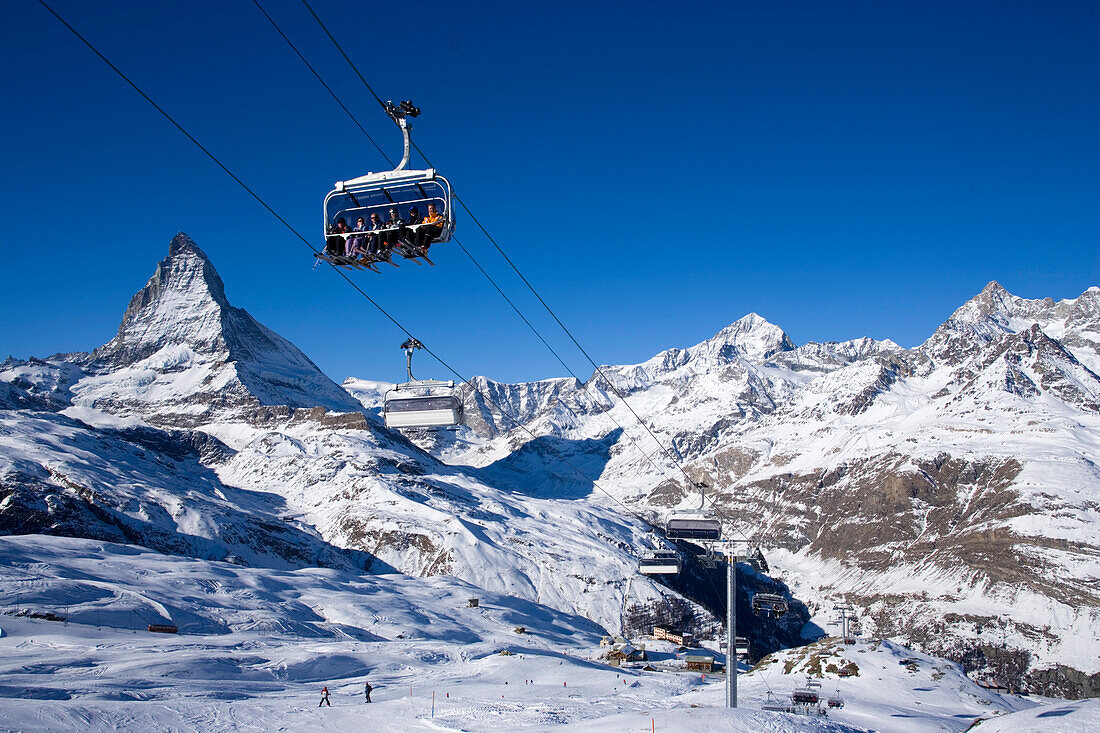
(694, 525)
(419, 410)
(769, 604)
(423, 403)
(661, 562)
(741, 647)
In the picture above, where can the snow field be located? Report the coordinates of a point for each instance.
(257, 645)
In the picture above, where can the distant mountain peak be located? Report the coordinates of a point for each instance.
(992, 302)
(994, 288)
(180, 323)
(753, 337)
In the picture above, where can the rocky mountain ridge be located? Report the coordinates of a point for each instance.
(197, 431)
(949, 491)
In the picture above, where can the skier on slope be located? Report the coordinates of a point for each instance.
(324, 697)
(366, 690)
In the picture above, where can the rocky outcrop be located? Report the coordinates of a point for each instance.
(184, 356)
(941, 488)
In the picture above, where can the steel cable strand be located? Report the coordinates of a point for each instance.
(338, 271)
(521, 276)
(526, 321)
(473, 217)
(323, 83)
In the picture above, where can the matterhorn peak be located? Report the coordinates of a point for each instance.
(183, 302)
(753, 337)
(184, 256)
(182, 343)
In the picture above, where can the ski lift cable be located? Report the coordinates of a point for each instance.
(325, 85)
(691, 482)
(473, 217)
(306, 242)
(179, 127)
(561, 361)
(346, 58)
(468, 254)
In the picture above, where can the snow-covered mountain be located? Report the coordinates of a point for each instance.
(950, 491)
(184, 356)
(197, 431)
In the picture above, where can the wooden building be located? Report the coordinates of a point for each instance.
(699, 663)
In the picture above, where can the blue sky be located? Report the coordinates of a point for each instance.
(656, 170)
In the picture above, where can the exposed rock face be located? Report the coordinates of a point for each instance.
(146, 487)
(950, 491)
(995, 312)
(197, 431)
(183, 355)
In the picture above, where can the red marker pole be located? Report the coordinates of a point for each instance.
(433, 704)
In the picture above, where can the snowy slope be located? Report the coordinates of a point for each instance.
(144, 486)
(950, 491)
(277, 466)
(256, 645)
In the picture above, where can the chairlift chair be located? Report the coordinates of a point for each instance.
(835, 700)
(421, 403)
(808, 694)
(769, 604)
(741, 647)
(377, 193)
(757, 561)
(661, 562)
(694, 525)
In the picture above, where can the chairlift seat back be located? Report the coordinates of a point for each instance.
(660, 563)
(422, 404)
(693, 528)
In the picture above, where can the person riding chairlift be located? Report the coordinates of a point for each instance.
(355, 246)
(408, 235)
(334, 245)
(391, 230)
(374, 237)
(430, 229)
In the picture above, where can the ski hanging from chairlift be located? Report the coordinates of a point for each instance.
(421, 403)
(370, 218)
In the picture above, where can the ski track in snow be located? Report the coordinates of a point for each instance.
(287, 634)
